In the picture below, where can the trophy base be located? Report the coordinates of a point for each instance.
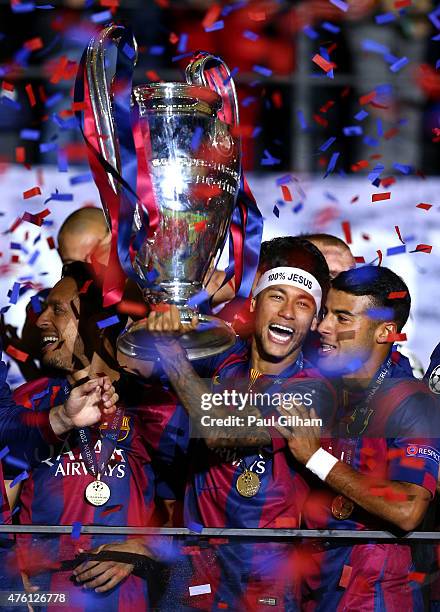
(211, 337)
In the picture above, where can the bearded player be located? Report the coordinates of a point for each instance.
(100, 475)
(380, 469)
(244, 478)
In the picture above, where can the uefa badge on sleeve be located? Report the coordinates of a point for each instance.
(434, 380)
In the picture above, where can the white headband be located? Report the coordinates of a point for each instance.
(295, 277)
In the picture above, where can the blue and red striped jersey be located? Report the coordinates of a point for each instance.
(54, 492)
(396, 445)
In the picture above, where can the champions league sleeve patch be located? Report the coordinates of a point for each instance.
(434, 380)
(423, 452)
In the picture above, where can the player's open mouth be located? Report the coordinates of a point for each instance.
(327, 348)
(47, 341)
(280, 333)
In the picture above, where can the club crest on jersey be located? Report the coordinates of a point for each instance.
(125, 428)
(434, 380)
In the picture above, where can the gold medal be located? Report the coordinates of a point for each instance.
(342, 507)
(248, 484)
(97, 493)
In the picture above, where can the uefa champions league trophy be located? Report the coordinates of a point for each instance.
(193, 160)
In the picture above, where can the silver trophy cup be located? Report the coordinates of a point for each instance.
(194, 164)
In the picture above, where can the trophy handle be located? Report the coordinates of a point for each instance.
(99, 83)
(208, 70)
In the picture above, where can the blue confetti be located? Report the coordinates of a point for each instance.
(33, 258)
(267, 72)
(390, 58)
(62, 161)
(330, 196)
(15, 292)
(18, 479)
(360, 116)
(30, 134)
(284, 180)
(183, 41)
(36, 303)
(199, 298)
(332, 163)
(397, 250)
(250, 35)
(380, 314)
(310, 32)
(437, 64)
(52, 100)
(196, 138)
(157, 50)
(76, 530)
(434, 17)
(376, 172)
(328, 143)
(370, 141)
(16, 462)
(301, 119)
(374, 47)
(385, 18)
(298, 207)
(276, 211)
(248, 101)
(177, 58)
(102, 17)
(81, 178)
(404, 169)
(340, 4)
(4, 452)
(436, 37)
(399, 64)
(352, 130)
(231, 75)
(218, 25)
(45, 147)
(257, 131)
(269, 160)
(25, 7)
(62, 197)
(330, 27)
(128, 51)
(193, 526)
(379, 127)
(114, 320)
(152, 275)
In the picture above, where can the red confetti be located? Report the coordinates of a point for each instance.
(396, 338)
(367, 98)
(345, 576)
(359, 260)
(153, 76)
(422, 248)
(30, 193)
(16, 353)
(20, 155)
(378, 197)
(30, 94)
(396, 227)
(326, 106)
(424, 206)
(390, 133)
(397, 295)
(287, 196)
(132, 308)
(173, 38)
(347, 231)
(8, 86)
(51, 242)
(320, 120)
(199, 226)
(354, 199)
(417, 577)
(345, 92)
(112, 509)
(109, 3)
(387, 181)
(363, 163)
(400, 4)
(33, 44)
(211, 16)
(323, 63)
(379, 254)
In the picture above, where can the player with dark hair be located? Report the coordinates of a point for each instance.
(100, 475)
(244, 477)
(379, 470)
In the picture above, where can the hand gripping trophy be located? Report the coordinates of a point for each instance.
(166, 158)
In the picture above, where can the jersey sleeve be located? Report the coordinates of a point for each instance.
(413, 435)
(23, 431)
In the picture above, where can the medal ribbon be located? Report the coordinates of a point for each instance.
(108, 444)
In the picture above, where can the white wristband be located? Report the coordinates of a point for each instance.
(321, 462)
